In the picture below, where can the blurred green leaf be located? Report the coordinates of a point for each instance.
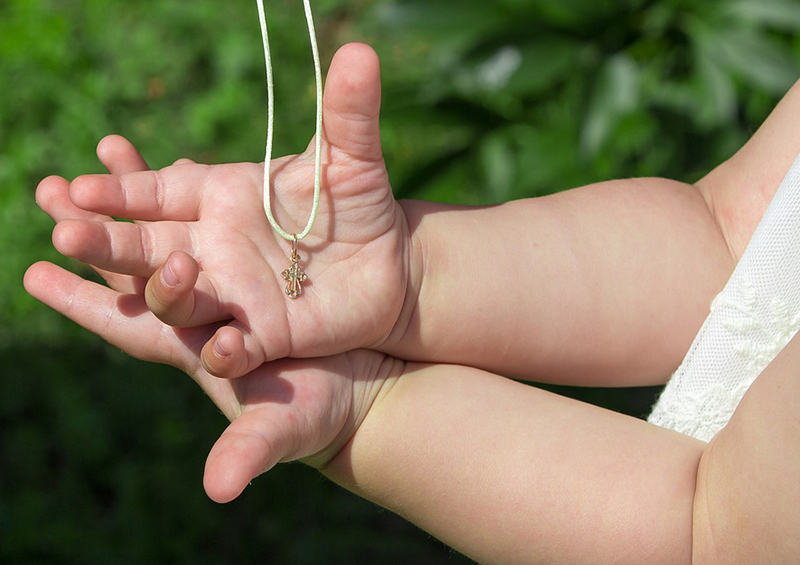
(543, 63)
(781, 14)
(578, 13)
(716, 100)
(453, 29)
(614, 94)
(658, 18)
(475, 16)
(491, 74)
(498, 162)
(754, 57)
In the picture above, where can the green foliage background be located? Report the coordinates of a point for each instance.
(101, 456)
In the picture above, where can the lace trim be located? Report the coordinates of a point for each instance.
(775, 335)
(700, 416)
(703, 413)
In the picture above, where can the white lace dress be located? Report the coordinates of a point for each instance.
(751, 320)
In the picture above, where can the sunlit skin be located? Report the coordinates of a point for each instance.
(501, 471)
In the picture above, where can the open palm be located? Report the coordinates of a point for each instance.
(356, 257)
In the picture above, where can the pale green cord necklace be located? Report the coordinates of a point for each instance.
(293, 275)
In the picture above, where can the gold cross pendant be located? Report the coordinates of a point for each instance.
(294, 275)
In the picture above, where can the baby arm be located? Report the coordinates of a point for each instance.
(608, 283)
(748, 495)
(510, 474)
(604, 285)
(502, 471)
(507, 473)
(601, 285)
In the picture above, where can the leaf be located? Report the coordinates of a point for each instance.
(615, 94)
(543, 63)
(499, 165)
(756, 59)
(489, 74)
(716, 99)
(515, 70)
(441, 16)
(781, 14)
(576, 14)
(435, 27)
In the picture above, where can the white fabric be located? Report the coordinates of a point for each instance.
(751, 320)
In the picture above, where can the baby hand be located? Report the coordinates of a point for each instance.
(295, 409)
(306, 409)
(356, 257)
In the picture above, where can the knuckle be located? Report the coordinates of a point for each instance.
(145, 245)
(158, 191)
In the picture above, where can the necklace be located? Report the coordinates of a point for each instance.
(294, 275)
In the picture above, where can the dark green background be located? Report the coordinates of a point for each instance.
(101, 456)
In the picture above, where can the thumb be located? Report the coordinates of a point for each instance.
(352, 102)
(252, 444)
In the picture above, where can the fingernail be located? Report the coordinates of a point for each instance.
(219, 351)
(168, 277)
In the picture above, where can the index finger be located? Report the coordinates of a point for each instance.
(122, 320)
(173, 193)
